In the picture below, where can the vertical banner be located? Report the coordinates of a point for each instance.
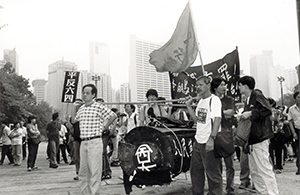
(70, 87)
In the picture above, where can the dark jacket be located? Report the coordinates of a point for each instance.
(53, 131)
(261, 128)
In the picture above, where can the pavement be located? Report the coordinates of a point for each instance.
(17, 180)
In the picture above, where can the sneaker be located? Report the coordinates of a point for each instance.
(297, 173)
(104, 177)
(72, 163)
(29, 169)
(277, 171)
(76, 177)
(11, 163)
(34, 168)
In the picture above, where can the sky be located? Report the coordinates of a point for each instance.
(45, 31)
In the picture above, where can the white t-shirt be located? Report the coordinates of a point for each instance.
(131, 123)
(204, 116)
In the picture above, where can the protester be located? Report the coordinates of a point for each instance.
(6, 144)
(151, 110)
(53, 140)
(33, 133)
(16, 143)
(62, 144)
(115, 137)
(294, 119)
(258, 110)
(91, 116)
(24, 139)
(219, 88)
(207, 116)
(132, 117)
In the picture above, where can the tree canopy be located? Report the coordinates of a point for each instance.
(18, 102)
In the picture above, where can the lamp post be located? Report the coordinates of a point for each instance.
(96, 78)
(281, 79)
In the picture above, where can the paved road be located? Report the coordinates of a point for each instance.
(46, 181)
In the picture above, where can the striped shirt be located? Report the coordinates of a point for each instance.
(91, 119)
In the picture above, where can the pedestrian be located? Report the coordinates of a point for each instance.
(6, 144)
(75, 132)
(219, 88)
(16, 143)
(294, 119)
(115, 137)
(207, 116)
(24, 139)
(33, 133)
(258, 110)
(131, 118)
(62, 144)
(91, 117)
(53, 140)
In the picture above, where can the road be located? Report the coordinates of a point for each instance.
(17, 180)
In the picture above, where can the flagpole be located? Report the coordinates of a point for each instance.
(196, 35)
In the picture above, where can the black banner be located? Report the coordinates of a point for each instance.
(183, 83)
(70, 87)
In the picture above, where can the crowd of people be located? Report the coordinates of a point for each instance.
(91, 135)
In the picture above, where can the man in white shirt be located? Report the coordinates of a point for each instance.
(132, 118)
(208, 120)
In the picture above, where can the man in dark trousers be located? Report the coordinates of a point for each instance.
(53, 139)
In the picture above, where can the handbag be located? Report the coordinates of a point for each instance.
(37, 140)
(242, 132)
(223, 144)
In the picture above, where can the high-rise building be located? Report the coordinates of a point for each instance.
(259, 66)
(12, 57)
(143, 75)
(101, 81)
(123, 95)
(39, 89)
(56, 78)
(99, 58)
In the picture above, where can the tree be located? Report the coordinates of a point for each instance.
(17, 101)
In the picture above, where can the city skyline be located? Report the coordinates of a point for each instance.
(42, 37)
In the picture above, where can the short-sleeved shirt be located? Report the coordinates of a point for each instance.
(294, 113)
(18, 139)
(91, 119)
(204, 114)
(132, 121)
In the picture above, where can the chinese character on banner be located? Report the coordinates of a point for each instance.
(70, 87)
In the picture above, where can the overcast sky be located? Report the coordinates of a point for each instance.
(45, 31)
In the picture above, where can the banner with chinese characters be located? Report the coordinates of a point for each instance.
(70, 87)
(183, 83)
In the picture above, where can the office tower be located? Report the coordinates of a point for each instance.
(39, 89)
(56, 78)
(12, 57)
(262, 69)
(123, 95)
(143, 75)
(99, 58)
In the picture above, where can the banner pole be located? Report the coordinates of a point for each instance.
(197, 40)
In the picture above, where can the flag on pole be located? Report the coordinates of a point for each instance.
(181, 50)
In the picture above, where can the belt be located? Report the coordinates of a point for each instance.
(89, 138)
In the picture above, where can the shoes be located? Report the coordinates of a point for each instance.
(245, 185)
(104, 177)
(115, 163)
(54, 166)
(10, 163)
(72, 163)
(76, 177)
(297, 173)
(66, 162)
(16, 165)
(34, 168)
(29, 169)
(1, 163)
(277, 171)
(230, 193)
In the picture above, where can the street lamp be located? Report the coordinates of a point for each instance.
(281, 79)
(96, 78)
